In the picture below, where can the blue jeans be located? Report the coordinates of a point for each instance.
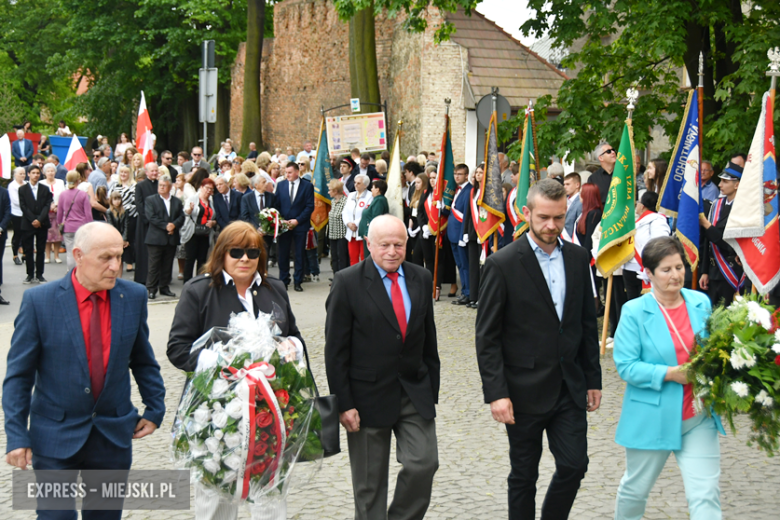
(462, 261)
(699, 463)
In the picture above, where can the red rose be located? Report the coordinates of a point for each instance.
(291, 409)
(283, 397)
(260, 449)
(264, 419)
(264, 436)
(777, 360)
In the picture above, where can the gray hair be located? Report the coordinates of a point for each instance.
(363, 177)
(19, 169)
(85, 236)
(705, 161)
(555, 170)
(55, 158)
(102, 161)
(547, 188)
(164, 178)
(600, 149)
(659, 248)
(49, 166)
(256, 179)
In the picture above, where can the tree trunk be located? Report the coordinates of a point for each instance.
(364, 78)
(252, 128)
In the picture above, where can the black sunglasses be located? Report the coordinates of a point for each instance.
(238, 253)
(611, 150)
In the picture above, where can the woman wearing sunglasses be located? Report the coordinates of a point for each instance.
(234, 280)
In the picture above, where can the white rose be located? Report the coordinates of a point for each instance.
(211, 466)
(212, 444)
(777, 335)
(202, 414)
(740, 388)
(219, 418)
(197, 449)
(232, 461)
(232, 440)
(219, 387)
(776, 346)
(235, 409)
(218, 434)
(216, 457)
(229, 477)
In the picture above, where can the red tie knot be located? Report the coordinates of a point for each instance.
(393, 276)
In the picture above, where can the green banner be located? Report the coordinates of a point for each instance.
(524, 181)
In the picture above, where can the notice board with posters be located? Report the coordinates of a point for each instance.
(367, 132)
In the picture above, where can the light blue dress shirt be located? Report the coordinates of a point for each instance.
(553, 271)
(401, 283)
(710, 191)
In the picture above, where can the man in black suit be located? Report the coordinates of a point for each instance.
(165, 215)
(295, 202)
(538, 354)
(382, 362)
(22, 150)
(227, 203)
(143, 189)
(366, 168)
(253, 202)
(5, 219)
(35, 202)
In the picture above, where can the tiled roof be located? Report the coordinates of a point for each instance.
(498, 60)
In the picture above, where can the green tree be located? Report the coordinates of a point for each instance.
(617, 45)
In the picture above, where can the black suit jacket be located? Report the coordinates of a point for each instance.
(223, 214)
(370, 171)
(367, 361)
(158, 218)
(35, 208)
(714, 235)
(524, 351)
(5, 210)
(249, 209)
(144, 189)
(203, 306)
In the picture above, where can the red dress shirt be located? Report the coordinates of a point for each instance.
(85, 314)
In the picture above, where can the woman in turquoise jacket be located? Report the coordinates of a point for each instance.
(655, 336)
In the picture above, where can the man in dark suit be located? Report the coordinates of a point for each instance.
(74, 344)
(295, 201)
(143, 189)
(382, 362)
(5, 220)
(165, 215)
(35, 202)
(366, 168)
(460, 203)
(538, 354)
(22, 150)
(227, 203)
(253, 202)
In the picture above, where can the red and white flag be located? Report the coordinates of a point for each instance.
(76, 154)
(6, 159)
(143, 132)
(753, 229)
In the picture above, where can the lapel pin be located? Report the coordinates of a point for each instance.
(121, 295)
(254, 292)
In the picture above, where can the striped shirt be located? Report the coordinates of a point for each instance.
(336, 227)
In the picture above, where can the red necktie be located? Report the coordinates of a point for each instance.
(97, 373)
(398, 303)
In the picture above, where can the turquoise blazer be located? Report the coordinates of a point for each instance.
(652, 408)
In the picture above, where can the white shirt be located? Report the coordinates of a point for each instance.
(13, 193)
(167, 203)
(353, 210)
(34, 190)
(248, 303)
(294, 187)
(260, 199)
(571, 199)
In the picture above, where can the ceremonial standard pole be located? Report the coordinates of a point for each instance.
(632, 94)
(442, 166)
(773, 72)
(494, 103)
(695, 273)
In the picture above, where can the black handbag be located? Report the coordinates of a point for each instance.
(328, 408)
(201, 230)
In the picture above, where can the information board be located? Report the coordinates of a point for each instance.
(366, 132)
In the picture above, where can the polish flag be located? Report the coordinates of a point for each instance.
(76, 154)
(6, 161)
(143, 135)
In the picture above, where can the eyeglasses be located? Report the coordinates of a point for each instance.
(611, 150)
(236, 162)
(238, 253)
(301, 164)
(197, 154)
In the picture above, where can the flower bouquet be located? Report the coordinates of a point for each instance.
(247, 414)
(736, 368)
(271, 223)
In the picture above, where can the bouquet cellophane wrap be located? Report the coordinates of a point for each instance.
(246, 417)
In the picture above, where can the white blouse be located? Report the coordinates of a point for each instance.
(353, 210)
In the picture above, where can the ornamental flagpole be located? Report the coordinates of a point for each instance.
(437, 237)
(700, 88)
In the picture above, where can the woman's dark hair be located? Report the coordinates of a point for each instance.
(101, 195)
(237, 234)
(198, 176)
(82, 168)
(413, 167)
(382, 185)
(659, 248)
(591, 199)
(660, 174)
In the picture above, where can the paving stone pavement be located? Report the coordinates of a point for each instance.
(473, 450)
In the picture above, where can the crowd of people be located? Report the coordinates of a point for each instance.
(531, 292)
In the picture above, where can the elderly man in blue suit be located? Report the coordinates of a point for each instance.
(460, 202)
(22, 150)
(295, 201)
(80, 413)
(227, 203)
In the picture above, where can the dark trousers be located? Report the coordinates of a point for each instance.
(196, 249)
(720, 292)
(567, 428)
(35, 240)
(473, 252)
(633, 284)
(3, 238)
(285, 241)
(16, 241)
(270, 247)
(339, 254)
(160, 266)
(128, 256)
(97, 453)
